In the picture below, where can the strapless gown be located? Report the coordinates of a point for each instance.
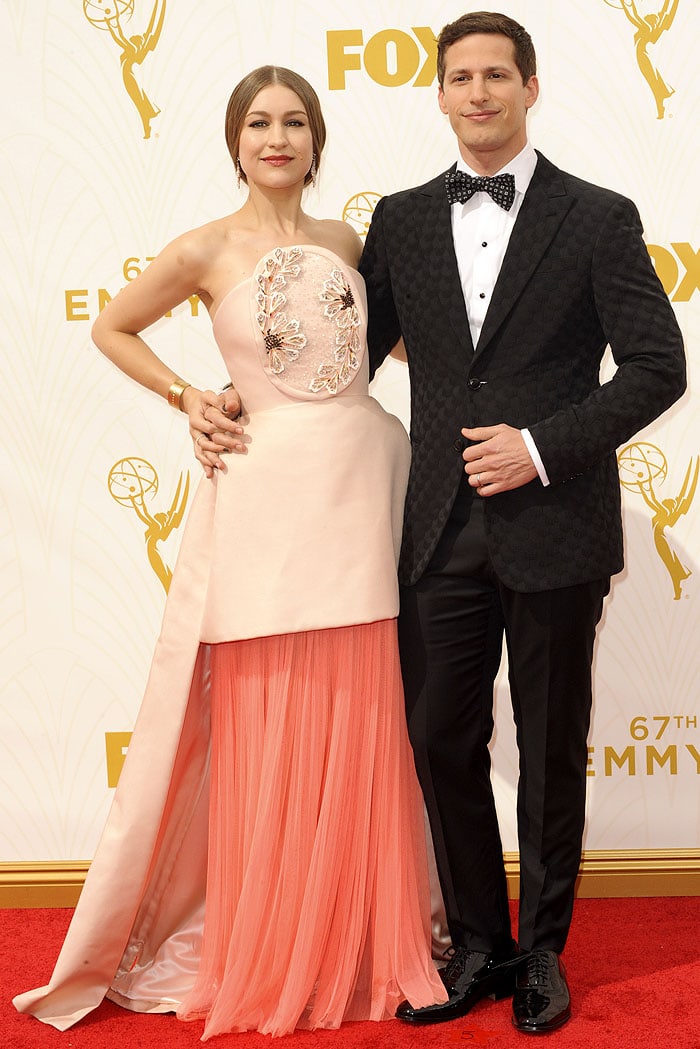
(263, 865)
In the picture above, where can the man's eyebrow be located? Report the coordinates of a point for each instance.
(486, 69)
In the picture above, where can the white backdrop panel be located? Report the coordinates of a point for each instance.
(86, 199)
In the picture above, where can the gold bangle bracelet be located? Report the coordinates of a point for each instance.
(175, 393)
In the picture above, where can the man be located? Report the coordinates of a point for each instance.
(506, 303)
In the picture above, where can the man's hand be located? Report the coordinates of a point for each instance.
(498, 460)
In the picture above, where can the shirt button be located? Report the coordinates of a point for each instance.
(484, 244)
(482, 294)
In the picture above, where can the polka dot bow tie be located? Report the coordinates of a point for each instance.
(461, 187)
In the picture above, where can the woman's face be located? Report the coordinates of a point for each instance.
(276, 147)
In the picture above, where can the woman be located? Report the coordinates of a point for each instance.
(280, 627)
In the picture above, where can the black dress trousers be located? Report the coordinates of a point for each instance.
(451, 630)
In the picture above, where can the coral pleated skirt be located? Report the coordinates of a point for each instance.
(317, 904)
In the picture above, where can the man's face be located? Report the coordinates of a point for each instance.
(485, 99)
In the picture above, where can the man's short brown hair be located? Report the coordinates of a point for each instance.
(489, 22)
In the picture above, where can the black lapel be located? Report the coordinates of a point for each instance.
(437, 232)
(545, 205)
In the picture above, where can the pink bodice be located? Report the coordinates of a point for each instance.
(295, 330)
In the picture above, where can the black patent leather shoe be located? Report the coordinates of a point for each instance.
(468, 977)
(541, 1002)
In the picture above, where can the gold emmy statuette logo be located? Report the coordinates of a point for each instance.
(111, 16)
(648, 28)
(643, 468)
(132, 481)
(358, 211)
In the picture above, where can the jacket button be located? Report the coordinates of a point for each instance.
(474, 384)
(458, 445)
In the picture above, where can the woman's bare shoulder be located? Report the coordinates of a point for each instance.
(340, 238)
(201, 244)
(208, 256)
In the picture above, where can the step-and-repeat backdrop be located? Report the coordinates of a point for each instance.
(112, 144)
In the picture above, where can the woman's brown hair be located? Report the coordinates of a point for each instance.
(242, 97)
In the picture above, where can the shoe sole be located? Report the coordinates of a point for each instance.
(499, 988)
(543, 1029)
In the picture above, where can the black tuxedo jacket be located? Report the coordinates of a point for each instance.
(576, 276)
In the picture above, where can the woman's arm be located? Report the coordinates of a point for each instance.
(177, 273)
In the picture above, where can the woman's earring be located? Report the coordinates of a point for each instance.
(239, 172)
(313, 170)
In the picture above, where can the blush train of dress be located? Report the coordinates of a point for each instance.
(317, 896)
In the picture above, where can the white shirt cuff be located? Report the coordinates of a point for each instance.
(535, 456)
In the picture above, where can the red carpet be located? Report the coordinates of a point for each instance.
(633, 966)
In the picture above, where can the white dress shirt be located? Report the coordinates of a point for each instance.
(481, 229)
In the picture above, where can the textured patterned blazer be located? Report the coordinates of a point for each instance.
(576, 277)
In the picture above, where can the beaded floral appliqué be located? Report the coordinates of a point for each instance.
(284, 341)
(340, 307)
